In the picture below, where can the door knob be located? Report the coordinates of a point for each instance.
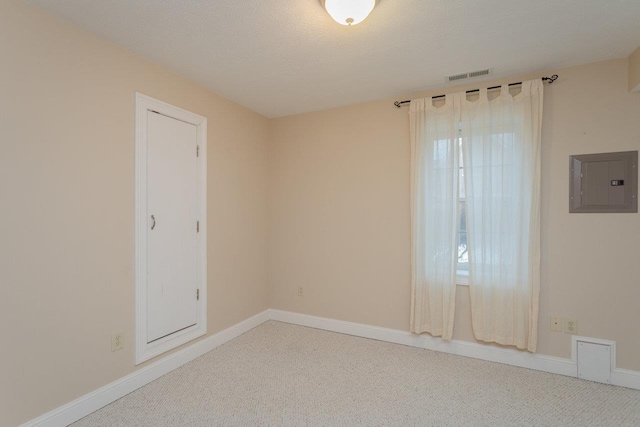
(153, 218)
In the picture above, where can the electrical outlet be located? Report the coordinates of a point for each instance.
(570, 326)
(117, 341)
(300, 291)
(556, 324)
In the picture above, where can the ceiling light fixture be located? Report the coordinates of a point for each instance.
(349, 12)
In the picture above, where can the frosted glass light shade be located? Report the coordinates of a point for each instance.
(349, 12)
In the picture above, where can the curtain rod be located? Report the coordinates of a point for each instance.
(549, 79)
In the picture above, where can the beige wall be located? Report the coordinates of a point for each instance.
(67, 206)
(634, 71)
(339, 215)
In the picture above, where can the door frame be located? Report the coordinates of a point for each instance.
(145, 351)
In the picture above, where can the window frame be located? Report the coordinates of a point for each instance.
(462, 275)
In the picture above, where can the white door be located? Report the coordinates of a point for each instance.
(171, 227)
(172, 221)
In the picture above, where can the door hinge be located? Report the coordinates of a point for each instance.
(197, 226)
(197, 151)
(198, 294)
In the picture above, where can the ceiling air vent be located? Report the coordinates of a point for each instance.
(479, 73)
(468, 75)
(458, 77)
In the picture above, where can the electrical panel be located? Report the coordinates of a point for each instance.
(604, 183)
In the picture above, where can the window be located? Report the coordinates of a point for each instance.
(463, 248)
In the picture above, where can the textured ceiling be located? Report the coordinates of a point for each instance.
(281, 57)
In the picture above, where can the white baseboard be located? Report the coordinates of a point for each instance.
(95, 400)
(625, 378)
(555, 365)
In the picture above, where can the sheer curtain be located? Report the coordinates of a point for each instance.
(434, 214)
(501, 152)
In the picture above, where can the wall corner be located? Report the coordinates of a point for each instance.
(634, 71)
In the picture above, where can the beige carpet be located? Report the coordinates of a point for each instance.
(285, 375)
